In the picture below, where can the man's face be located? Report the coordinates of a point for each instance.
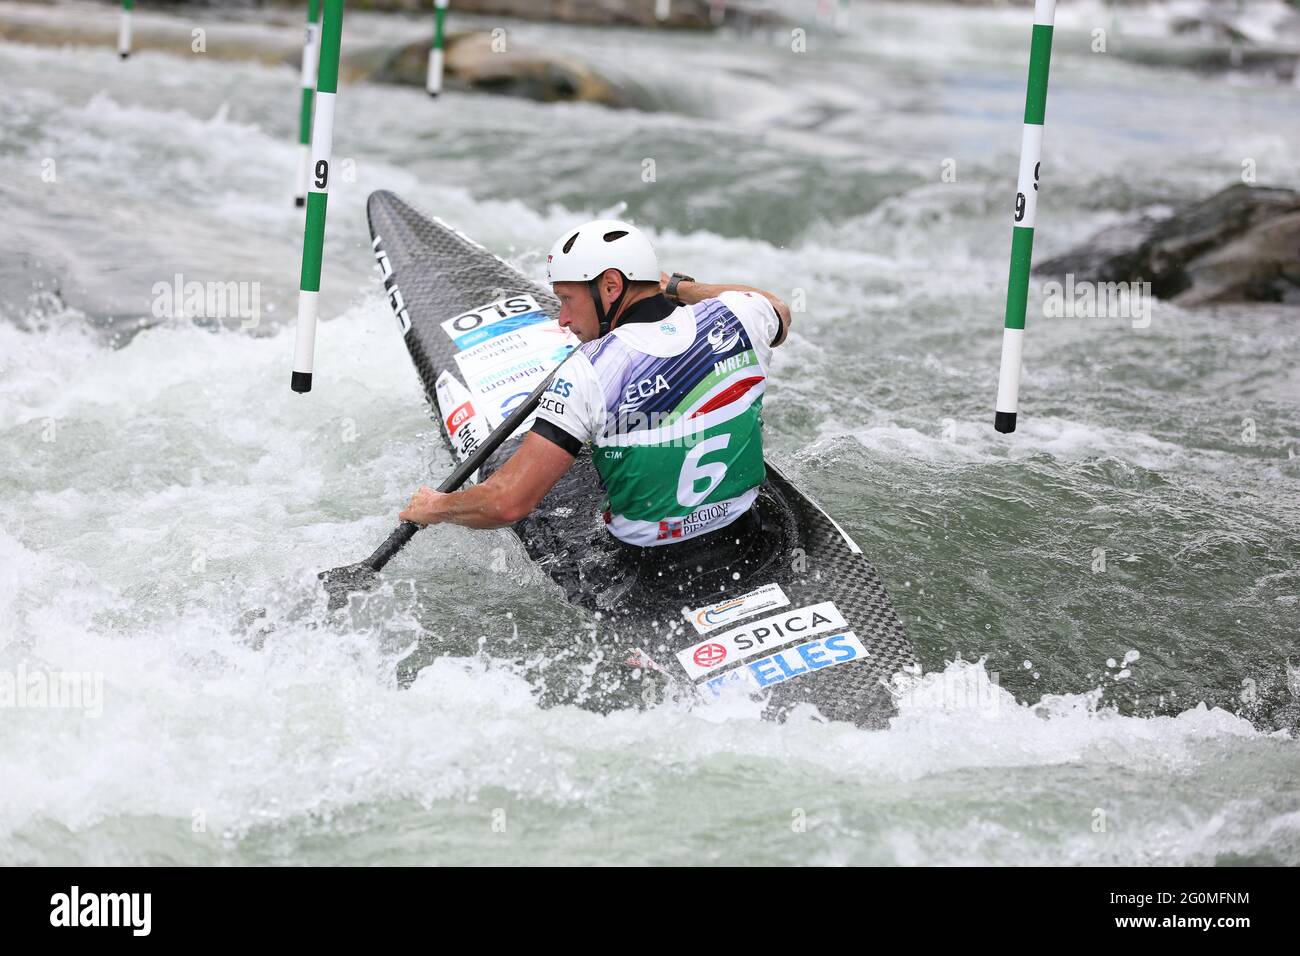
(578, 312)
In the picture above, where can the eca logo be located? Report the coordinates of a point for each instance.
(646, 388)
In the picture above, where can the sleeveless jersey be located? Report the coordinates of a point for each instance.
(673, 410)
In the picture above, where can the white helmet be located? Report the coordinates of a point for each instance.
(582, 254)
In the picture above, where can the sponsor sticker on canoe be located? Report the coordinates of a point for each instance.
(499, 390)
(546, 340)
(791, 662)
(760, 637)
(503, 370)
(465, 426)
(496, 318)
(766, 598)
(708, 655)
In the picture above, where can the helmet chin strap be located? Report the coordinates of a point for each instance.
(605, 318)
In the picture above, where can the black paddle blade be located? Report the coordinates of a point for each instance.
(341, 583)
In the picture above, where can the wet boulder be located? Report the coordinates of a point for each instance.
(1240, 245)
(478, 61)
(690, 14)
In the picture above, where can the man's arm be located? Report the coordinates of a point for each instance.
(689, 293)
(511, 494)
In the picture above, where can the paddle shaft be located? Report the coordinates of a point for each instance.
(405, 531)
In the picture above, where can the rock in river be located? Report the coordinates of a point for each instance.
(1240, 245)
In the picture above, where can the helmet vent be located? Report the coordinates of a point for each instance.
(616, 234)
(569, 245)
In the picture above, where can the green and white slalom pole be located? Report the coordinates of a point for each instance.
(433, 79)
(313, 239)
(124, 29)
(1022, 233)
(310, 58)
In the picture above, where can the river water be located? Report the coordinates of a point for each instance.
(1105, 602)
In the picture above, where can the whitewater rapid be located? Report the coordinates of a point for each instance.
(161, 485)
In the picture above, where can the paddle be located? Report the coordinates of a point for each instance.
(340, 582)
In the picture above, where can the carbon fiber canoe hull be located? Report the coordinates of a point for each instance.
(798, 615)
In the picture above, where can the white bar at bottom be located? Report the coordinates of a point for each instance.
(1009, 377)
(304, 346)
(433, 82)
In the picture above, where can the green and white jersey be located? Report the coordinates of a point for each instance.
(672, 404)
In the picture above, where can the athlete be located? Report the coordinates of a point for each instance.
(667, 389)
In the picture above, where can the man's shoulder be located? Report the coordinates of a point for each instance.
(604, 352)
(595, 368)
(669, 336)
(747, 304)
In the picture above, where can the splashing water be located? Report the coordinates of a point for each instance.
(1122, 571)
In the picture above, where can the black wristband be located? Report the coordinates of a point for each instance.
(673, 282)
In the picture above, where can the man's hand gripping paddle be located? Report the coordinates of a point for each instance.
(362, 576)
